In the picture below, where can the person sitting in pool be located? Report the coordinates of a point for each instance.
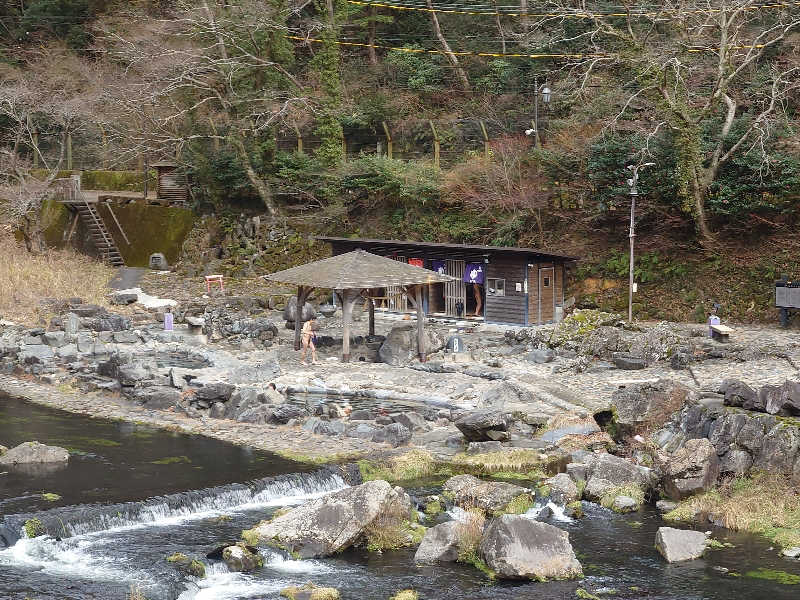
(307, 338)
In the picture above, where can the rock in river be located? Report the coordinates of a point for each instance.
(493, 496)
(677, 545)
(517, 547)
(335, 522)
(440, 544)
(645, 406)
(34, 452)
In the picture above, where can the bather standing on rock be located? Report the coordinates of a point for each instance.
(308, 337)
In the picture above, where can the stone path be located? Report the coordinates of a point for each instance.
(288, 441)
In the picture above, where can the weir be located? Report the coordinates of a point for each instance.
(84, 519)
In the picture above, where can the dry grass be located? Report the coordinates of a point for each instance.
(414, 464)
(518, 460)
(469, 534)
(392, 529)
(763, 503)
(631, 490)
(28, 278)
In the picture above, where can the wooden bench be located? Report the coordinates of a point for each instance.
(720, 332)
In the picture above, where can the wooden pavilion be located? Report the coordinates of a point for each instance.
(351, 276)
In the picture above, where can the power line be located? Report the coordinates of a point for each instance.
(456, 53)
(677, 13)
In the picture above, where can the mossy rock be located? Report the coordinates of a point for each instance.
(189, 566)
(405, 595)
(34, 528)
(309, 591)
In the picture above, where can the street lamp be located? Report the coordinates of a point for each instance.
(633, 184)
(546, 94)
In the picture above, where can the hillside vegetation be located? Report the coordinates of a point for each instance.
(707, 90)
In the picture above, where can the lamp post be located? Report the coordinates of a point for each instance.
(633, 184)
(545, 91)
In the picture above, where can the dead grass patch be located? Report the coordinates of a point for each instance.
(28, 278)
(414, 464)
(517, 460)
(763, 503)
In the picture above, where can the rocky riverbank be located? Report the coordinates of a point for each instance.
(587, 410)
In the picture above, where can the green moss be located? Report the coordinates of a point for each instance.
(584, 595)
(177, 557)
(171, 460)
(781, 577)
(717, 545)
(433, 508)
(533, 475)
(472, 558)
(96, 442)
(519, 505)
(577, 509)
(118, 181)
(149, 229)
(50, 497)
(405, 595)
(34, 528)
(251, 537)
(197, 568)
(54, 219)
(631, 490)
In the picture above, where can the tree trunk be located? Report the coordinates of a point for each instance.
(499, 26)
(700, 186)
(261, 186)
(452, 58)
(373, 55)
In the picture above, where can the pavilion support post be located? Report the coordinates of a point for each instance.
(371, 317)
(349, 298)
(302, 295)
(420, 324)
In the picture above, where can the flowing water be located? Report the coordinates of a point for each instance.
(124, 508)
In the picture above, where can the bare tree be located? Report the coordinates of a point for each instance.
(713, 71)
(448, 52)
(211, 62)
(32, 111)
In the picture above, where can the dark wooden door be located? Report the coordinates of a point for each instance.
(547, 297)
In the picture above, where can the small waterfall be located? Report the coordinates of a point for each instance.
(550, 510)
(84, 519)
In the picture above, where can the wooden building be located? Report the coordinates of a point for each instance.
(173, 185)
(514, 286)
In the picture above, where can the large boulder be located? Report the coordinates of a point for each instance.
(643, 407)
(778, 449)
(440, 544)
(492, 496)
(505, 393)
(563, 489)
(691, 470)
(215, 392)
(400, 346)
(607, 474)
(327, 525)
(737, 393)
(159, 397)
(283, 413)
(786, 402)
(485, 425)
(290, 311)
(677, 545)
(516, 547)
(34, 452)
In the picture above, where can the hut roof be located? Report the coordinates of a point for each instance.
(357, 270)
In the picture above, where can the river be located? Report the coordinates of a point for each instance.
(132, 495)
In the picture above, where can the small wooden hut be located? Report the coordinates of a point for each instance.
(173, 186)
(350, 276)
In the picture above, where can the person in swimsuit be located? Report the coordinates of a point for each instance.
(307, 337)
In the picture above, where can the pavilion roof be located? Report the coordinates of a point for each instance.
(357, 270)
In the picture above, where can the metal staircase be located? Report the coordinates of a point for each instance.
(71, 195)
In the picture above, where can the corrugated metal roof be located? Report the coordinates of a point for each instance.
(447, 247)
(357, 270)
